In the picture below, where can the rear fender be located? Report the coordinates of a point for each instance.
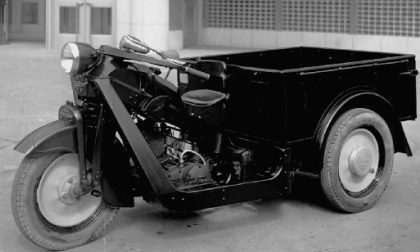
(56, 136)
(369, 100)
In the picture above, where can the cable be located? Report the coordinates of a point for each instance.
(185, 151)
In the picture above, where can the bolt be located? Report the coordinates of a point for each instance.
(70, 181)
(372, 170)
(64, 196)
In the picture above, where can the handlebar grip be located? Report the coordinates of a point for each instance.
(197, 73)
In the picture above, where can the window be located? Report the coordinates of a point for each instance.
(389, 17)
(101, 21)
(370, 17)
(2, 11)
(29, 13)
(68, 19)
(316, 15)
(242, 14)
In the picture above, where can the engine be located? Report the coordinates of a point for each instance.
(188, 166)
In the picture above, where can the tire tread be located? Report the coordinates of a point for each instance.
(339, 128)
(18, 194)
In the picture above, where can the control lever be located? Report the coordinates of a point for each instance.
(196, 72)
(189, 69)
(176, 64)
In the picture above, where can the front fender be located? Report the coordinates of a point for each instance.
(61, 135)
(56, 136)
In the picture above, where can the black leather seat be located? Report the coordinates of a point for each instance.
(204, 97)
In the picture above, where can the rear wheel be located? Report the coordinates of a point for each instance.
(357, 160)
(47, 211)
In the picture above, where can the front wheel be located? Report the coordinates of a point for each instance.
(357, 160)
(46, 211)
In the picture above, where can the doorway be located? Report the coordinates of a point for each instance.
(88, 21)
(26, 20)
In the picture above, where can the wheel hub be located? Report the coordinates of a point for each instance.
(67, 189)
(57, 194)
(360, 161)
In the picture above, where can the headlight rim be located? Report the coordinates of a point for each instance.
(83, 57)
(75, 58)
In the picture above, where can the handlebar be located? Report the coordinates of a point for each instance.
(196, 73)
(171, 63)
(169, 58)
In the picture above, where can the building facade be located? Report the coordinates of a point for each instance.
(379, 25)
(164, 24)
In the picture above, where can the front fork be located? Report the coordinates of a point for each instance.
(89, 178)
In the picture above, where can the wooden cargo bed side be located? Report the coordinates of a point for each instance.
(297, 57)
(310, 94)
(256, 104)
(284, 95)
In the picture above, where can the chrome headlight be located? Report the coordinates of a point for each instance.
(77, 58)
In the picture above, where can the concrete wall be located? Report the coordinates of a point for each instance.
(281, 39)
(175, 40)
(148, 20)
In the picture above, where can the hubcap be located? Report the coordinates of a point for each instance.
(358, 161)
(56, 196)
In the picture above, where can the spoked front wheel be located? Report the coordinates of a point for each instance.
(357, 160)
(46, 208)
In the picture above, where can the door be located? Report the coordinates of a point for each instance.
(190, 23)
(26, 20)
(89, 21)
(33, 19)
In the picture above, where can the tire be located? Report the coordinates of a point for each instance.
(357, 160)
(45, 218)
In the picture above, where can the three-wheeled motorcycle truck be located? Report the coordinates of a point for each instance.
(234, 128)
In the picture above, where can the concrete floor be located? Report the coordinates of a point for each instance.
(33, 86)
